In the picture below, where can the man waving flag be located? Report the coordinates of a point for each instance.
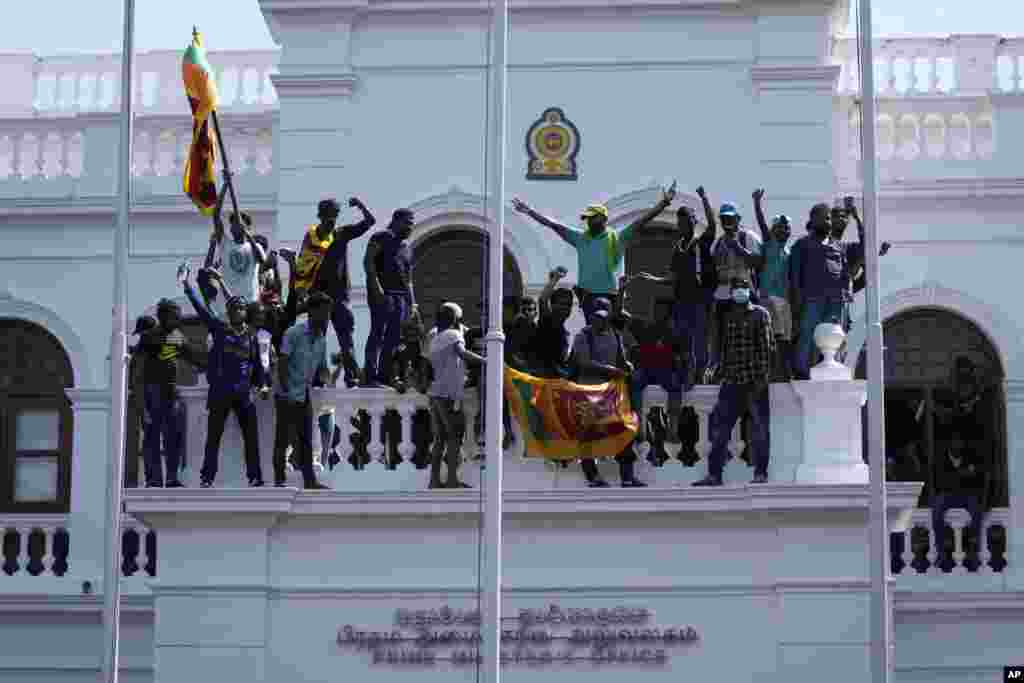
(200, 181)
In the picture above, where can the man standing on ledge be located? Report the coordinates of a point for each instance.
(303, 357)
(599, 251)
(747, 346)
(333, 279)
(389, 292)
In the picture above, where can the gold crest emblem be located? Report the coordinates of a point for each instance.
(552, 143)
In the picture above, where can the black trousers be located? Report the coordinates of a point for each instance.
(294, 427)
(626, 460)
(245, 411)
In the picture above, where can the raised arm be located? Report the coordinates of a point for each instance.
(357, 230)
(544, 298)
(563, 231)
(758, 196)
(218, 228)
(666, 198)
(709, 213)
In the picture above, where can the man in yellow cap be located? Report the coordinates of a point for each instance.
(599, 251)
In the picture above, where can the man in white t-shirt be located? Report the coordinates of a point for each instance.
(240, 255)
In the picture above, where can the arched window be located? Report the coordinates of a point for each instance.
(649, 251)
(922, 347)
(449, 266)
(36, 420)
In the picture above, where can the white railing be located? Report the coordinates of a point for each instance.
(138, 548)
(954, 64)
(92, 82)
(32, 545)
(40, 149)
(37, 149)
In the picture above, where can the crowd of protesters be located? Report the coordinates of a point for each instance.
(742, 314)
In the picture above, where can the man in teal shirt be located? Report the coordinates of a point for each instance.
(599, 251)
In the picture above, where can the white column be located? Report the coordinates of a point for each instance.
(89, 455)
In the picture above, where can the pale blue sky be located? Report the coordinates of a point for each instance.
(61, 26)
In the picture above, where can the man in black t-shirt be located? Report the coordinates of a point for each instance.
(548, 353)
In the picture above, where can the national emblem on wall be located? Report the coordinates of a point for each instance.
(552, 143)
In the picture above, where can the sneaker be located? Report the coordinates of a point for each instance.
(709, 480)
(206, 484)
(633, 484)
(759, 478)
(174, 485)
(507, 441)
(255, 483)
(597, 483)
(153, 485)
(316, 486)
(351, 382)
(280, 483)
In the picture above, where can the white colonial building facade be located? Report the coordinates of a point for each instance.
(387, 101)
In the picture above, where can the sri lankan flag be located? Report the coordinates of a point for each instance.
(200, 182)
(561, 420)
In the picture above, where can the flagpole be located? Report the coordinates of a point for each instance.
(118, 366)
(881, 651)
(224, 161)
(491, 618)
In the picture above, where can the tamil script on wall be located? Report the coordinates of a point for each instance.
(535, 637)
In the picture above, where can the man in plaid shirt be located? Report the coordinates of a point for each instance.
(747, 348)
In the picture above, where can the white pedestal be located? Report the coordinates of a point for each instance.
(832, 432)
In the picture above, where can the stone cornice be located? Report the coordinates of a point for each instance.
(89, 399)
(315, 85)
(230, 506)
(815, 77)
(945, 188)
(990, 604)
(104, 205)
(312, 7)
(30, 603)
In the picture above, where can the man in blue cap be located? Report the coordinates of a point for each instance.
(599, 251)
(737, 254)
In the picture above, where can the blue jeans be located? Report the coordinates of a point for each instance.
(386, 318)
(164, 409)
(814, 313)
(734, 401)
(344, 324)
(689, 325)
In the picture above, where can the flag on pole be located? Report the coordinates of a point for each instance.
(561, 420)
(200, 181)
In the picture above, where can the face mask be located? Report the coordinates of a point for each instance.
(741, 296)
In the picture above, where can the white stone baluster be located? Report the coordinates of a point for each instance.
(375, 448)
(1015, 81)
(65, 138)
(703, 429)
(934, 543)
(912, 74)
(406, 473)
(76, 92)
(933, 74)
(958, 520)
(471, 408)
(48, 559)
(24, 536)
(37, 163)
(736, 442)
(890, 74)
(984, 554)
(907, 554)
(17, 142)
(142, 559)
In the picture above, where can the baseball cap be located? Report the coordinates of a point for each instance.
(728, 210)
(454, 308)
(595, 210)
(143, 323)
(602, 304)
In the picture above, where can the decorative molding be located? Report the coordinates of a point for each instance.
(458, 208)
(89, 399)
(731, 501)
(287, 7)
(989, 604)
(945, 188)
(1001, 331)
(815, 77)
(105, 205)
(68, 603)
(315, 85)
(20, 309)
